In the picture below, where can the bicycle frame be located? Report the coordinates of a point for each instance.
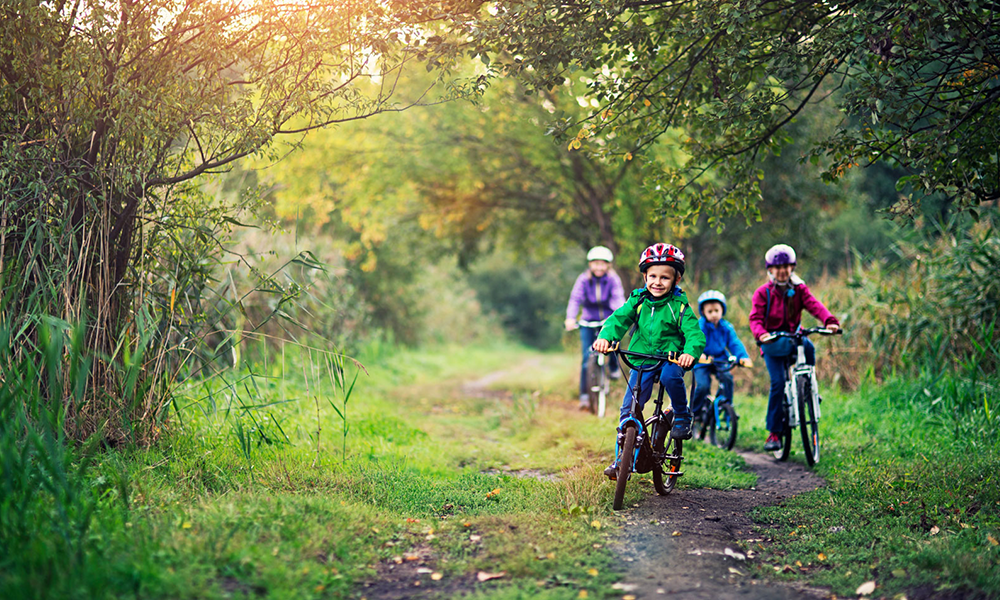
(796, 371)
(643, 427)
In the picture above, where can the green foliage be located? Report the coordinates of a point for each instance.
(114, 109)
(918, 81)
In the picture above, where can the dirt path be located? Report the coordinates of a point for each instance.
(684, 545)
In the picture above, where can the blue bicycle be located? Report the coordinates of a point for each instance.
(644, 445)
(717, 420)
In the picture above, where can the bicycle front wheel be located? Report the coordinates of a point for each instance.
(624, 466)
(724, 429)
(808, 421)
(594, 382)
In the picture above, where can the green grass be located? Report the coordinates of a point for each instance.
(912, 501)
(242, 499)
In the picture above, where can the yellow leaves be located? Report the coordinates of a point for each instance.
(583, 594)
(627, 157)
(676, 534)
(595, 524)
(992, 540)
(173, 298)
(592, 572)
(493, 494)
(646, 102)
(186, 525)
(436, 576)
(821, 557)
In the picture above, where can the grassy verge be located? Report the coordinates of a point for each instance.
(912, 501)
(255, 492)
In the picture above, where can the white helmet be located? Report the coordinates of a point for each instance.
(779, 254)
(600, 253)
(712, 296)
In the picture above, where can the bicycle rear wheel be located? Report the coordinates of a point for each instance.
(594, 384)
(624, 466)
(808, 423)
(725, 429)
(664, 482)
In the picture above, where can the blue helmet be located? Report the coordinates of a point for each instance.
(712, 296)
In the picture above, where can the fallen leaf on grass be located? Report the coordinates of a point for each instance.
(992, 540)
(821, 556)
(595, 524)
(397, 559)
(676, 533)
(900, 573)
(409, 520)
(492, 494)
(735, 571)
(592, 572)
(628, 596)
(625, 587)
(865, 588)
(436, 576)
(484, 576)
(186, 525)
(475, 538)
(582, 594)
(935, 530)
(411, 557)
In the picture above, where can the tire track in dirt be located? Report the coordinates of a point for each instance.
(684, 545)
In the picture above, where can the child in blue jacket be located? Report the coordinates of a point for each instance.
(720, 342)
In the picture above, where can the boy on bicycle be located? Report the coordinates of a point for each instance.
(777, 306)
(721, 342)
(663, 322)
(597, 293)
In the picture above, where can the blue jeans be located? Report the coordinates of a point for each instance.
(587, 337)
(672, 378)
(777, 355)
(703, 385)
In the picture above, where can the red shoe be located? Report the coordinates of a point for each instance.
(773, 443)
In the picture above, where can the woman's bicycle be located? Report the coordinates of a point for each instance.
(598, 377)
(802, 399)
(717, 419)
(645, 444)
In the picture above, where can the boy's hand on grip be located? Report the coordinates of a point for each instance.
(602, 346)
(685, 360)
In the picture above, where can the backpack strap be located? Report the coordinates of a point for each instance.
(638, 308)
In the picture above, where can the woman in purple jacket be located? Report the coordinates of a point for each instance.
(777, 306)
(597, 293)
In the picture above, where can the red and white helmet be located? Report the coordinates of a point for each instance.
(662, 254)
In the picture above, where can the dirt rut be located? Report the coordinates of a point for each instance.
(683, 545)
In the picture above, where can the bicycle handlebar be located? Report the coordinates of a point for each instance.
(730, 363)
(660, 359)
(801, 333)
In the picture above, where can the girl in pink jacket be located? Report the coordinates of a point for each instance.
(777, 306)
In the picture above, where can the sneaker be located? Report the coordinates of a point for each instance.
(682, 428)
(584, 402)
(773, 443)
(612, 472)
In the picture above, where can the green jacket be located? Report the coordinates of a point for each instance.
(665, 325)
